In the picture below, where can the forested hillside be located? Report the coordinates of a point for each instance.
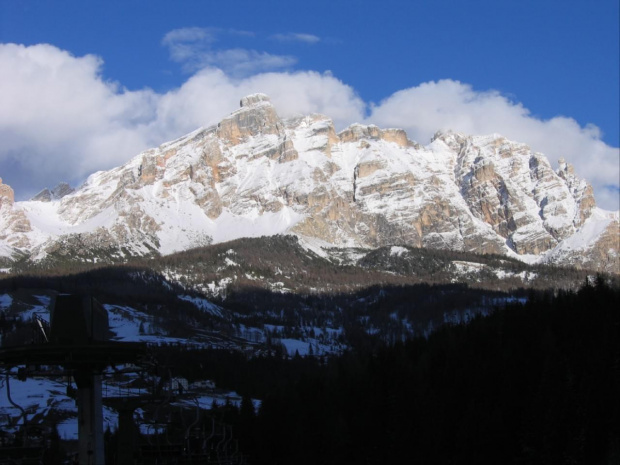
(533, 383)
(366, 356)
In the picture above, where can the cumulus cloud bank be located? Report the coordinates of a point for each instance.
(60, 120)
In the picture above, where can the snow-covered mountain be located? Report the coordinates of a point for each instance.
(254, 174)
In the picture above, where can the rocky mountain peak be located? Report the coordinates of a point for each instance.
(7, 196)
(254, 99)
(61, 190)
(257, 116)
(56, 193)
(580, 189)
(13, 222)
(255, 174)
(45, 195)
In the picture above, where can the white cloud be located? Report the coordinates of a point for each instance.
(185, 43)
(296, 37)
(242, 62)
(189, 34)
(306, 92)
(55, 107)
(60, 121)
(309, 92)
(193, 48)
(241, 33)
(448, 104)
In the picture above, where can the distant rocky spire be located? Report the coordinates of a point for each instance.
(254, 99)
(7, 196)
(56, 193)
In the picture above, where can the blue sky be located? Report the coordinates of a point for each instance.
(117, 77)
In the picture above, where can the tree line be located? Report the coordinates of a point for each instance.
(534, 383)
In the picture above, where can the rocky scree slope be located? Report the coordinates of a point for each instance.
(255, 174)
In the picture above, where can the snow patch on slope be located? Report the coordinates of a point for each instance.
(204, 305)
(589, 233)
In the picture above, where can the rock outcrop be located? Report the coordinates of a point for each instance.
(56, 193)
(7, 196)
(14, 224)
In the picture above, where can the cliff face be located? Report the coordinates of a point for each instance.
(255, 174)
(13, 222)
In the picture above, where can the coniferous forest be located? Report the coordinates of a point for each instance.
(536, 381)
(533, 383)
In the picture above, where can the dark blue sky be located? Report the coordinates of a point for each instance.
(555, 57)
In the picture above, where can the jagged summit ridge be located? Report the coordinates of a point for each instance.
(254, 99)
(56, 193)
(255, 174)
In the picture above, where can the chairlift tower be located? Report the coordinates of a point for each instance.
(78, 341)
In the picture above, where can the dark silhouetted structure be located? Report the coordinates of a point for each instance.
(78, 341)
